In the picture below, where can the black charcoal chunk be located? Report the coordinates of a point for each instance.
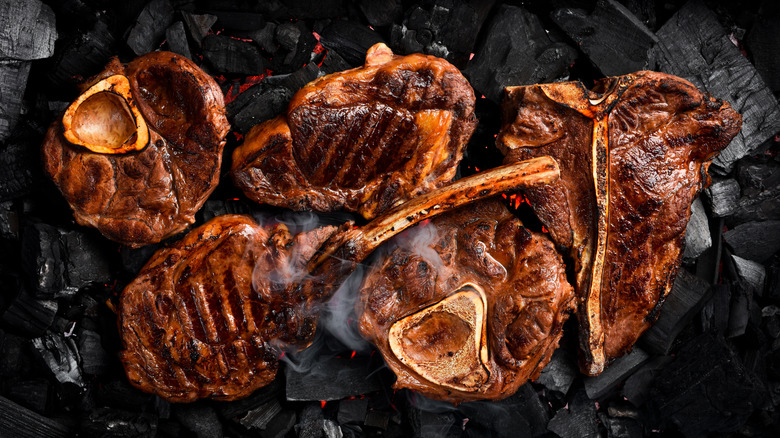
(521, 414)
(749, 272)
(723, 196)
(516, 50)
(86, 259)
(264, 37)
(259, 417)
(239, 20)
(697, 233)
(621, 427)
(239, 408)
(280, 425)
(9, 221)
(378, 419)
(14, 358)
(611, 36)
(267, 102)
(756, 241)
(118, 393)
(118, 423)
(578, 419)
(693, 45)
(28, 315)
(447, 29)
(199, 418)
(133, 259)
(32, 394)
(29, 30)
(770, 321)
(149, 30)
(559, 374)
(760, 182)
(94, 358)
(637, 387)
(715, 314)
(352, 411)
(296, 43)
(706, 389)
(334, 63)
(13, 80)
(443, 421)
(689, 294)
(310, 421)
(350, 39)
(331, 429)
(232, 56)
(333, 379)
(176, 38)
(82, 55)
(18, 160)
(60, 356)
(198, 25)
(763, 43)
(601, 385)
(20, 422)
(381, 13)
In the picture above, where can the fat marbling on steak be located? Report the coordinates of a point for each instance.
(469, 306)
(365, 139)
(634, 153)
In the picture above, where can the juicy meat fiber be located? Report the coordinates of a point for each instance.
(365, 139)
(203, 317)
(469, 306)
(634, 154)
(142, 197)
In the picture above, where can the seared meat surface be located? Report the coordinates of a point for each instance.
(203, 317)
(634, 154)
(365, 140)
(141, 196)
(469, 306)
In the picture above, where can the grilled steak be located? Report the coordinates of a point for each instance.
(208, 316)
(139, 152)
(469, 306)
(634, 153)
(365, 140)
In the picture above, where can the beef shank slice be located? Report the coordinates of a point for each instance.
(468, 306)
(142, 194)
(634, 153)
(365, 139)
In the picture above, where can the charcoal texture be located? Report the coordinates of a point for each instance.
(756, 241)
(611, 36)
(332, 379)
(18, 165)
(150, 26)
(693, 45)
(176, 38)
(118, 423)
(578, 421)
(18, 421)
(60, 356)
(13, 80)
(232, 56)
(350, 39)
(697, 233)
(516, 50)
(723, 197)
(28, 30)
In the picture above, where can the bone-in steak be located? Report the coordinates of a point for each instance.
(365, 139)
(634, 153)
(469, 306)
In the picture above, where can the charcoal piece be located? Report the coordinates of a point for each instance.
(377, 419)
(636, 388)
(264, 37)
(577, 420)
(296, 43)
(723, 196)
(20, 422)
(443, 28)
(559, 374)
(739, 309)
(86, 259)
(82, 55)
(280, 425)
(706, 389)
(14, 360)
(693, 45)
(350, 39)
(60, 356)
(770, 321)
(697, 233)
(756, 241)
(32, 394)
(149, 29)
(334, 63)
(759, 204)
(43, 259)
(199, 418)
(28, 315)
(296, 80)
(352, 411)
(217, 207)
(331, 429)
(118, 423)
(756, 174)
(763, 43)
(715, 314)
(621, 427)
(17, 163)
(644, 10)
(601, 385)
(176, 38)
(28, 30)
(708, 264)
(9, 220)
(516, 50)
(94, 358)
(13, 80)
(310, 421)
(239, 20)
(689, 294)
(239, 408)
(611, 36)
(749, 272)
(522, 414)
(381, 13)
(333, 378)
(232, 56)
(118, 393)
(438, 423)
(259, 417)
(198, 25)
(133, 259)
(267, 103)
